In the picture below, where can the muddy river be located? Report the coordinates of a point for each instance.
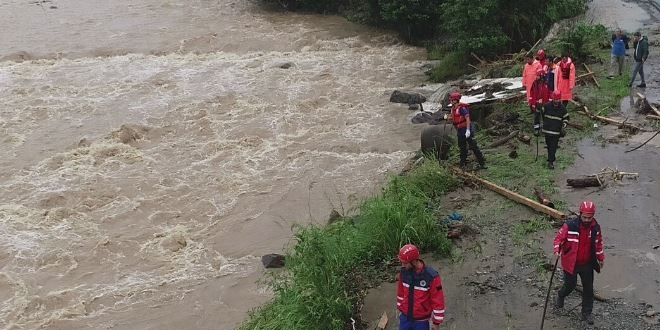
(151, 151)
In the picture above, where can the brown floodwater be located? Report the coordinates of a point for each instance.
(151, 151)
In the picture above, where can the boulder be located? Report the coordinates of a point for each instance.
(273, 260)
(407, 98)
(437, 140)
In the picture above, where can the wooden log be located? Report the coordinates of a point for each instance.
(619, 123)
(592, 76)
(511, 195)
(653, 117)
(382, 323)
(526, 139)
(646, 102)
(583, 182)
(575, 125)
(478, 59)
(584, 75)
(503, 140)
(542, 198)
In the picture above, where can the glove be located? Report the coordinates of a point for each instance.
(467, 134)
(445, 116)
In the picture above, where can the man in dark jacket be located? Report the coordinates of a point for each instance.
(641, 45)
(555, 119)
(579, 242)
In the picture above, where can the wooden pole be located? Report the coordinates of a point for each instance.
(592, 76)
(503, 140)
(583, 182)
(511, 195)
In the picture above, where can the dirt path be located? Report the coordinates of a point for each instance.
(496, 279)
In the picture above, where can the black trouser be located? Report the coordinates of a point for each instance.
(552, 142)
(586, 273)
(464, 143)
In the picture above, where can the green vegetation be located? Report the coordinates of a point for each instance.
(317, 291)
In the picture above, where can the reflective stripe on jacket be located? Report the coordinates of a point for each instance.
(419, 295)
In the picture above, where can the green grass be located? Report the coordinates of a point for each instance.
(318, 289)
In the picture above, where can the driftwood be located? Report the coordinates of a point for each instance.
(592, 76)
(511, 195)
(615, 174)
(526, 139)
(620, 124)
(575, 125)
(653, 117)
(655, 110)
(543, 199)
(584, 182)
(503, 140)
(382, 323)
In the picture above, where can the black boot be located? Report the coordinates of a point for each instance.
(551, 165)
(589, 318)
(559, 302)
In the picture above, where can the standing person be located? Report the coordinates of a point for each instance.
(543, 60)
(619, 46)
(529, 72)
(551, 74)
(579, 242)
(461, 118)
(555, 119)
(419, 295)
(641, 45)
(537, 97)
(566, 78)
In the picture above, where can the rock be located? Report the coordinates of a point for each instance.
(128, 134)
(437, 140)
(651, 313)
(273, 260)
(534, 304)
(656, 247)
(407, 98)
(413, 107)
(513, 154)
(84, 143)
(334, 216)
(285, 65)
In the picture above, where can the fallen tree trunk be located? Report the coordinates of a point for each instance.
(511, 195)
(503, 140)
(543, 199)
(653, 117)
(620, 124)
(583, 182)
(575, 125)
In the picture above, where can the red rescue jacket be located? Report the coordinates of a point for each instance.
(459, 119)
(569, 239)
(538, 93)
(419, 295)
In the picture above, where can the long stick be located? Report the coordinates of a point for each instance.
(641, 145)
(547, 296)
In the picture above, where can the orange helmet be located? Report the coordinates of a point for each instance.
(455, 96)
(408, 253)
(588, 207)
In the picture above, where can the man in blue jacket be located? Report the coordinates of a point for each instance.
(619, 46)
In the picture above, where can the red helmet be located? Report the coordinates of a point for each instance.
(556, 95)
(408, 253)
(540, 54)
(588, 207)
(455, 96)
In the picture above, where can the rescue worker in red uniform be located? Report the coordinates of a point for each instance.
(543, 59)
(579, 242)
(539, 94)
(419, 295)
(460, 113)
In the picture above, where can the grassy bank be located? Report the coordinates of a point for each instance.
(329, 265)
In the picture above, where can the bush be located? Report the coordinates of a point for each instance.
(580, 41)
(451, 66)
